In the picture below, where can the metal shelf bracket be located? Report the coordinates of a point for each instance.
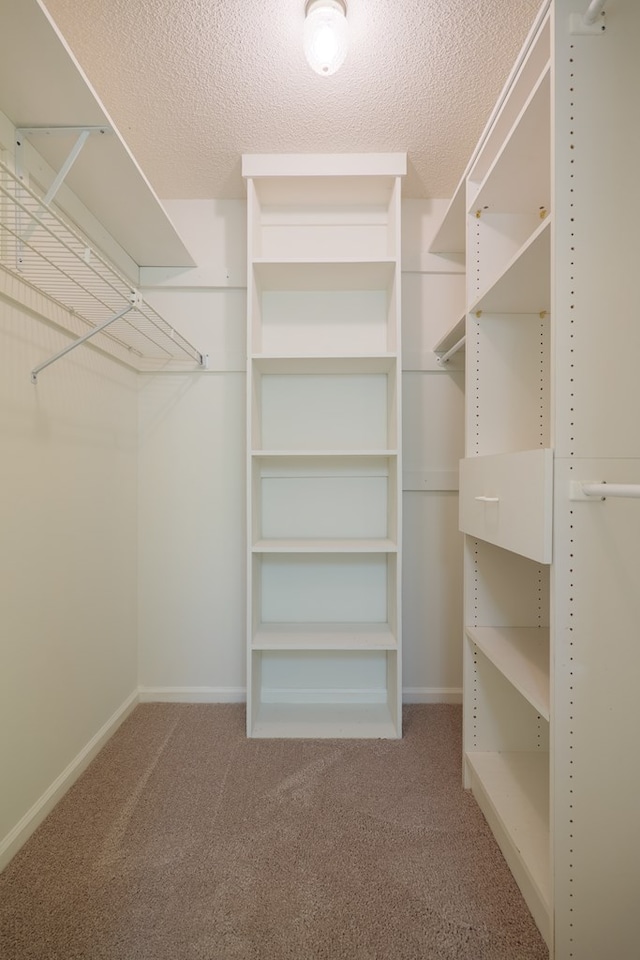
(136, 300)
(83, 133)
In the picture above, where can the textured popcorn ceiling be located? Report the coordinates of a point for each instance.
(194, 84)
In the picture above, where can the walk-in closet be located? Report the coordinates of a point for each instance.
(320, 477)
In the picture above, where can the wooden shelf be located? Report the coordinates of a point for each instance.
(450, 236)
(324, 636)
(341, 721)
(325, 546)
(304, 274)
(521, 654)
(512, 790)
(452, 336)
(379, 363)
(524, 286)
(309, 454)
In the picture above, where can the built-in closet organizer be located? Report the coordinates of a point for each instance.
(323, 476)
(547, 215)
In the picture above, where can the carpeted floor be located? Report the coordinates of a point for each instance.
(185, 841)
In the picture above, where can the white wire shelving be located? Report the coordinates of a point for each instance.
(48, 267)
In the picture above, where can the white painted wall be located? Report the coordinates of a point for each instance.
(68, 452)
(191, 469)
(122, 514)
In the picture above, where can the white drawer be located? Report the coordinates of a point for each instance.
(506, 499)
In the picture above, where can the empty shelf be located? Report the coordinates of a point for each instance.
(324, 636)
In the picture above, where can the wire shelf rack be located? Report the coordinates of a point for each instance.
(42, 253)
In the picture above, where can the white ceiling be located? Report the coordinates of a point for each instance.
(194, 84)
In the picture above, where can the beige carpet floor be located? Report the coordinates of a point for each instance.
(185, 841)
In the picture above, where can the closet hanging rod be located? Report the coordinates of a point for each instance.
(593, 11)
(587, 490)
(445, 357)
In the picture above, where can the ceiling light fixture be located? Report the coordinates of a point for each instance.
(325, 35)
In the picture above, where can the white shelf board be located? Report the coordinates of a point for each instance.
(518, 181)
(324, 720)
(450, 235)
(527, 71)
(521, 654)
(281, 166)
(452, 336)
(524, 286)
(324, 636)
(43, 85)
(306, 454)
(380, 363)
(512, 790)
(325, 546)
(304, 274)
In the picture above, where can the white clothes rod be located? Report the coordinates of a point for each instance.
(582, 490)
(452, 350)
(594, 10)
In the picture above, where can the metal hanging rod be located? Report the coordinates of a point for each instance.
(594, 10)
(591, 22)
(445, 357)
(587, 490)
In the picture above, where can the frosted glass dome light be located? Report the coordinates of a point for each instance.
(325, 35)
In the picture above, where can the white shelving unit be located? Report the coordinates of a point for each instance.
(323, 474)
(550, 219)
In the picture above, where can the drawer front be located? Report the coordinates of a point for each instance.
(507, 500)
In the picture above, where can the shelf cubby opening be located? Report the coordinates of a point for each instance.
(521, 654)
(324, 693)
(324, 588)
(346, 405)
(324, 498)
(533, 64)
(509, 355)
(507, 768)
(522, 283)
(313, 310)
(512, 260)
(320, 218)
(519, 178)
(508, 590)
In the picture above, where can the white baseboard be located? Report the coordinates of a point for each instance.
(192, 694)
(239, 695)
(32, 819)
(432, 695)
